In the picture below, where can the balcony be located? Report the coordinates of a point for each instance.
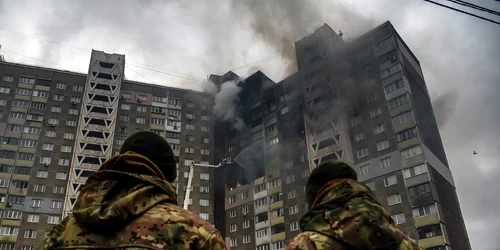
(15, 121)
(410, 142)
(22, 97)
(262, 224)
(413, 160)
(27, 150)
(276, 221)
(276, 205)
(23, 163)
(6, 161)
(18, 191)
(398, 110)
(19, 177)
(31, 137)
(8, 147)
(8, 238)
(19, 109)
(11, 223)
(39, 99)
(40, 87)
(278, 236)
(432, 241)
(426, 220)
(25, 85)
(404, 126)
(157, 127)
(274, 190)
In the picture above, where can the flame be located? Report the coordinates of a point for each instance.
(231, 189)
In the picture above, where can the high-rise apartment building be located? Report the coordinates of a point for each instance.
(57, 127)
(364, 102)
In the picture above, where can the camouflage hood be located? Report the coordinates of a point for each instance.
(124, 187)
(347, 212)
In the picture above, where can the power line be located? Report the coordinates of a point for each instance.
(464, 12)
(38, 59)
(267, 58)
(166, 73)
(477, 7)
(87, 50)
(139, 74)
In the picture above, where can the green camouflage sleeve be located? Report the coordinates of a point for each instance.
(214, 242)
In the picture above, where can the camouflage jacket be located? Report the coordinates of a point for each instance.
(349, 217)
(123, 210)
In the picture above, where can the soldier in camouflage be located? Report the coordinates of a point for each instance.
(344, 214)
(129, 203)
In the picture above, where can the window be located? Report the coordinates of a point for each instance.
(61, 176)
(27, 80)
(260, 188)
(58, 98)
(63, 162)
(233, 228)
(20, 103)
(70, 123)
(365, 169)
(424, 210)
(204, 176)
(291, 194)
(73, 111)
(205, 129)
(37, 105)
(140, 120)
(188, 150)
(376, 112)
(59, 190)
(9, 231)
(293, 210)
(69, 136)
(274, 182)
(29, 157)
(29, 234)
(273, 141)
(386, 162)
(399, 218)
(125, 106)
(159, 99)
(371, 185)
(411, 152)
(372, 97)
(244, 195)
(39, 188)
(290, 179)
(305, 173)
(205, 118)
(383, 145)
(190, 116)
(233, 242)
(48, 147)
(142, 108)
(52, 122)
(173, 135)
(414, 171)
(124, 118)
(204, 151)
(189, 126)
(17, 115)
(246, 224)
(294, 226)
(21, 91)
(203, 216)
(394, 199)
(36, 203)
(419, 190)
(394, 86)
(356, 121)
(53, 219)
(390, 180)
(204, 106)
(3, 103)
(4, 90)
(398, 101)
(390, 71)
(244, 210)
(403, 117)
(232, 199)
(247, 239)
(39, 93)
(66, 149)
(8, 78)
(429, 231)
(359, 136)
(232, 213)
(261, 233)
(75, 100)
(203, 203)
(204, 189)
(13, 215)
(174, 101)
(60, 86)
(42, 174)
(28, 143)
(362, 152)
(407, 134)
(14, 128)
(56, 204)
(33, 218)
(260, 202)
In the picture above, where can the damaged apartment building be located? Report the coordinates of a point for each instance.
(364, 102)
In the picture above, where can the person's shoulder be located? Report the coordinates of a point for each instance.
(175, 214)
(310, 240)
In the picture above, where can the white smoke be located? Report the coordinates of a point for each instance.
(226, 104)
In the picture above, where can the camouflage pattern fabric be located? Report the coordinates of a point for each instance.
(131, 210)
(349, 217)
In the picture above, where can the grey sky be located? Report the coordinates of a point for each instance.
(459, 56)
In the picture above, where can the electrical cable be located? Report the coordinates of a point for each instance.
(38, 59)
(464, 12)
(477, 7)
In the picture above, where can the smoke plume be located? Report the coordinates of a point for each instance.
(226, 105)
(444, 107)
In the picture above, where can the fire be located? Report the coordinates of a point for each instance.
(231, 189)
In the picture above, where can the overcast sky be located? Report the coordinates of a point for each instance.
(459, 56)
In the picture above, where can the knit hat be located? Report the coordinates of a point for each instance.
(326, 172)
(155, 148)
